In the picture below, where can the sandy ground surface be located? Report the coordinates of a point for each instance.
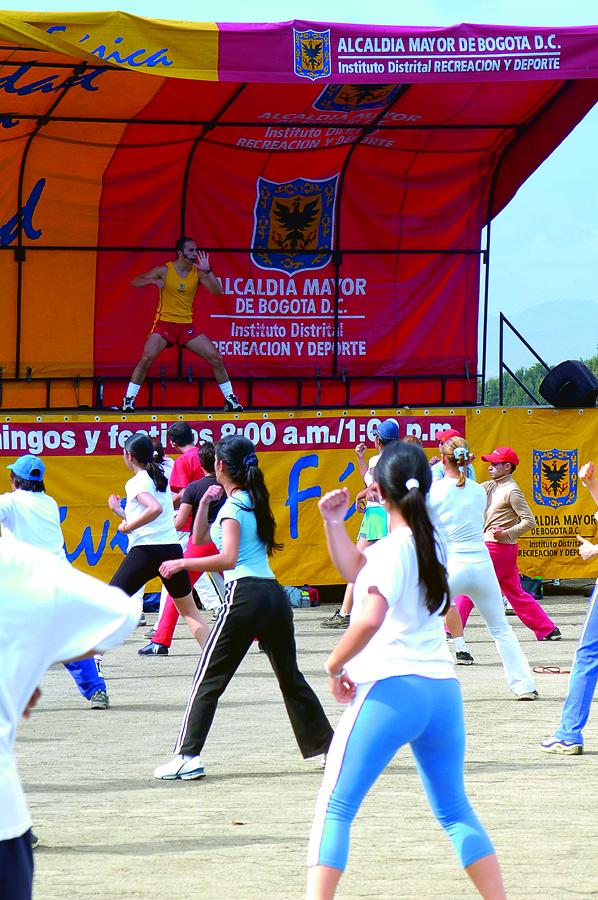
(108, 829)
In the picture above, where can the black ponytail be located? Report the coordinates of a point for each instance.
(238, 455)
(403, 474)
(141, 448)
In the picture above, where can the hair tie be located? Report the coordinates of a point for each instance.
(461, 469)
(461, 453)
(250, 460)
(412, 484)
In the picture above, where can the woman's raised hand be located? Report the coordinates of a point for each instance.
(587, 474)
(334, 505)
(114, 503)
(214, 492)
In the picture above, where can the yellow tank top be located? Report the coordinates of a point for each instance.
(177, 296)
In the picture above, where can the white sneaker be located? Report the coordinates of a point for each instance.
(180, 769)
(231, 404)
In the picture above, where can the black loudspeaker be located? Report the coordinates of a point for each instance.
(570, 384)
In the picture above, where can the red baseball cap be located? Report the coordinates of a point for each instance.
(502, 455)
(446, 435)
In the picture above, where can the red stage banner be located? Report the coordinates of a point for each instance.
(339, 176)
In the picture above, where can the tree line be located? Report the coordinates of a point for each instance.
(513, 395)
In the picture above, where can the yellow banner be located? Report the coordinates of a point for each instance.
(159, 46)
(304, 454)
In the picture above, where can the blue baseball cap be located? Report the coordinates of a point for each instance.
(387, 431)
(29, 467)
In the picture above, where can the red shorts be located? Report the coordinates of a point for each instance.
(175, 333)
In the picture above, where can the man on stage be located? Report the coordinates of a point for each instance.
(178, 282)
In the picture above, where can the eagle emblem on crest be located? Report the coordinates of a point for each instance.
(555, 477)
(349, 97)
(312, 54)
(294, 224)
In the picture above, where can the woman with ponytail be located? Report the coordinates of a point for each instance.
(393, 669)
(148, 521)
(458, 503)
(255, 605)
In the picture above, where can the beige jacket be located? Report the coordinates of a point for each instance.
(506, 507)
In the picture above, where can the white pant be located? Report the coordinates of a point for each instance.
(210, 590)
(474, 576)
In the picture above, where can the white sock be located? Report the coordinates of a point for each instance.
(226, 388)
(187, 756)
(133, 389)
(460, 644)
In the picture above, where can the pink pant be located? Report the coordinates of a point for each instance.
(504, 558)
(170, 615)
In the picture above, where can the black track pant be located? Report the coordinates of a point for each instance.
(253, 607)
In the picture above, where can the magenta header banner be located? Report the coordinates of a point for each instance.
(308, 51)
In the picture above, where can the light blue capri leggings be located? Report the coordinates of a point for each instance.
(426, 713)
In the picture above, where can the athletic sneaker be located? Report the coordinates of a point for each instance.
(527, 695)
(336, 621)
(231, 404)
(142, 620)
(153, 649)
(99, 700)
(555, 635)
(464, 658)
(554, 744)
(151, 633)
(128, 404)
(181, 769)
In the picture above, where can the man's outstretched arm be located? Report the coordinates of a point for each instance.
(155, 276)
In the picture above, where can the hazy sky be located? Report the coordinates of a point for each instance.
(545, 243)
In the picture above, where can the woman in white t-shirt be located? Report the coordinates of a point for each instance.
(149, 524)
(458, 505)
(393, 669)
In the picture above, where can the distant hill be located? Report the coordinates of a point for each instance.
(557, 330)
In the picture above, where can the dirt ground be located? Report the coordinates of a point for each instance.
(108, 829)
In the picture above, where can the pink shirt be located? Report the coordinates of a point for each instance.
(187, 468)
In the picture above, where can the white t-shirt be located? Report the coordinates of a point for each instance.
(459, 514)
(34, 518)
(167, 467)
(161, 530)
(410, 641)
(49, 612)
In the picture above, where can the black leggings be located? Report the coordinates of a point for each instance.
(141, 564)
